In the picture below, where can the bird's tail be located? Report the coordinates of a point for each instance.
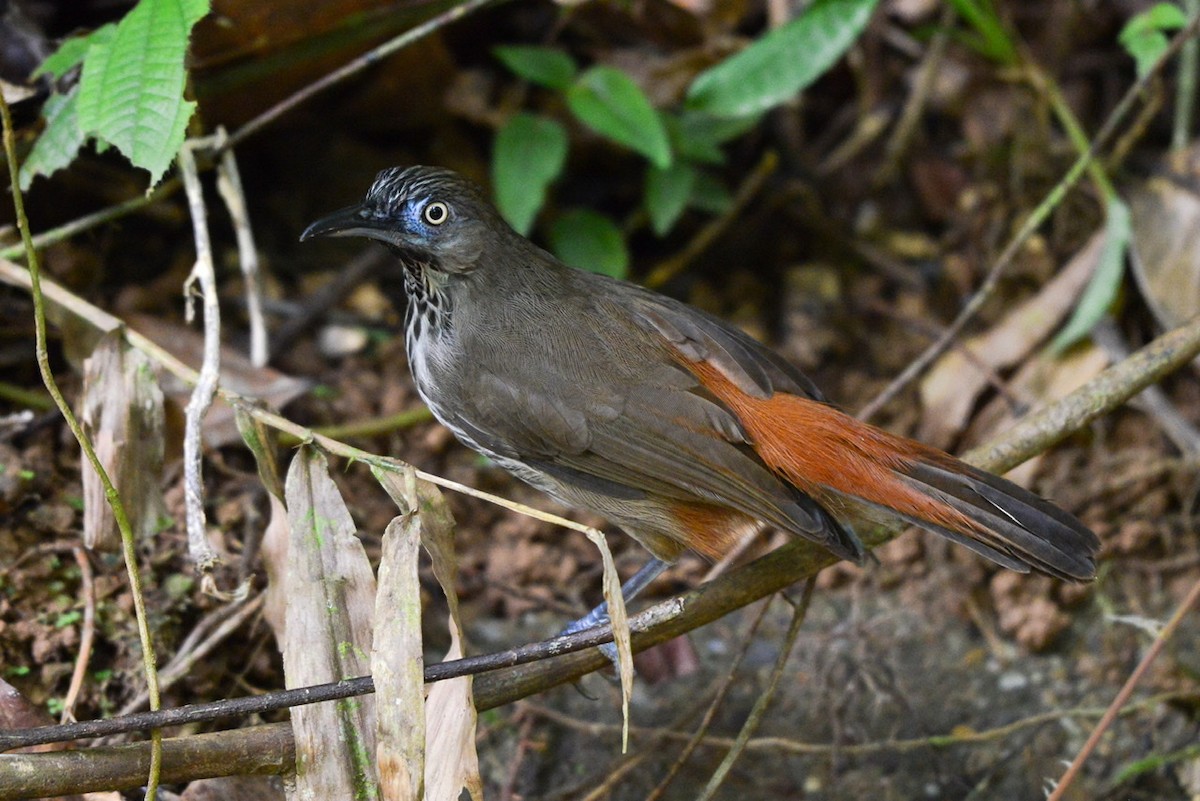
(839, 460)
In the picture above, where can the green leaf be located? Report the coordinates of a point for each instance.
(72, 51)
(590, 241)
(698, 136)
(545, 66)
(67, 618)
(58, 142)
(131, 92)
(528, 154)
(1102, 289)
(786, 60)
(1143, 36)
(991, 37)
(610, 103)
(667, 193)
(710, 195)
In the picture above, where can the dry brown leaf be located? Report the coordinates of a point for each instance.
(122, 414)
(450, 723)
(451, 761)
(397, 662)
(266, 384)
(16, 712)
(261, 440)
(953, 386)
(1165, 251)
(1042, 379)
(274, 552)
(330, 601)
(274, 545)
(611, 583)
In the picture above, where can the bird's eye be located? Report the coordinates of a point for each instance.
(436, 213)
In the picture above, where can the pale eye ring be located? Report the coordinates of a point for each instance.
(436, 213)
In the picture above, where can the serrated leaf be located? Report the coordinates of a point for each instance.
(528, 154)
(1098, 297)
(611, 104)
(1143, 36)
(131, 91)
(667, 193)
(545, 66)
(59, 141)
(589, 240)
(786, 60)
(72, 51)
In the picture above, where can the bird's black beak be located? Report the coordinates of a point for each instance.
(351, 221)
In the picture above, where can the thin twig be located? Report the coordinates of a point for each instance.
(1185, 87)
(718, 699)
(270, 749)
(914, 106)
(229, 184)
(103, 321)
(785, 745)
(316, 304)
(506, 791)
(1038, 216)
(776, 570)
(356, 66)
(89, 221)
(203, 555)
(764, 700)
(612, 776)
(347, 688)
(673, 266)
(1146, 117)
(169, 186)
(1049, 89)
(255, 750)
(29, 398)
(87, 634)
(179, 665)
(1126, 692)
(128, 548)
(605, 788)
(1044, 427)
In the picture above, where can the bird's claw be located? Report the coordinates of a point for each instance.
(596, 617)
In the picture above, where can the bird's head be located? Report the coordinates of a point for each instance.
(431, 218)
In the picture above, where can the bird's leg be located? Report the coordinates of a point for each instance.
(636, 583)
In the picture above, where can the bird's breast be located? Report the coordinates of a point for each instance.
(432, 352)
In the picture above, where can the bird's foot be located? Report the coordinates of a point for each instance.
(599, 616)
(596, 617)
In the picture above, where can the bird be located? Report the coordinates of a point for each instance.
(669, 422)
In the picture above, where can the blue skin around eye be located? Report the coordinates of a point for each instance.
(414, 219)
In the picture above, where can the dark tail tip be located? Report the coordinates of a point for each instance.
(1015, 524)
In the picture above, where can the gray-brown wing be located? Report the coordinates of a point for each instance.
(631, 419)
(699, 336)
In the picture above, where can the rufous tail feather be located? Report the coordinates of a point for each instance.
(834, 458)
